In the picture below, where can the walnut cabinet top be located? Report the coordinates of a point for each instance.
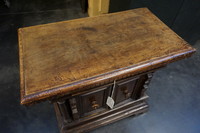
(62, 58)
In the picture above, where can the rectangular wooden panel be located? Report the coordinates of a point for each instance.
(95, 100)
(124, 89)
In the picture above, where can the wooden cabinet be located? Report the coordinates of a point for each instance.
(96, 70)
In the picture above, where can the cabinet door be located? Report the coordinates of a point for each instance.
(124, 89)
(94, 101)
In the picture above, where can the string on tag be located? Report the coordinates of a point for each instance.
(113, 89)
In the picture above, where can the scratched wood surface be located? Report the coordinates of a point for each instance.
(65, 57)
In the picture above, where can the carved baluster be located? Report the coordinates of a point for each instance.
(146, 83)
(73, 105)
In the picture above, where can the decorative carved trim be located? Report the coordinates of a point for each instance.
(146, 83)
(74, 109)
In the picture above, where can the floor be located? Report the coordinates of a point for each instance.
(174, 91)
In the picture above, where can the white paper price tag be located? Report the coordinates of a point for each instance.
(110, 102)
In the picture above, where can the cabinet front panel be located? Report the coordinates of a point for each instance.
(124, 90)
(94, 101)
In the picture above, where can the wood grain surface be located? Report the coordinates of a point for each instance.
(65, 57)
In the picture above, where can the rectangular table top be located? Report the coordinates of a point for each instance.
(65, 57)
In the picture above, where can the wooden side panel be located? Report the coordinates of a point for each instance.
(142, 85)
(64, 110)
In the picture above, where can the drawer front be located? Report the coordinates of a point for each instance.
(94, 101)
(124, 89)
